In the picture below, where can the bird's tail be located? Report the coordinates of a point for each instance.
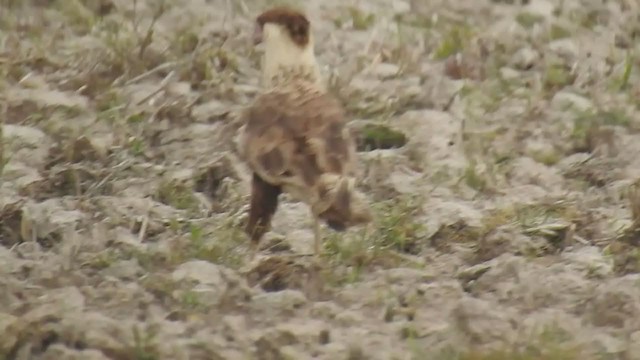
(340, 204)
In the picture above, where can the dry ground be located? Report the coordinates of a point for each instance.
(500, 144)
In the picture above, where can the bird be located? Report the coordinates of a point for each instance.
(295, 137)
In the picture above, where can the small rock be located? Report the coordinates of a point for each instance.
(433, 138)
(235, 326)
(413, 276)
(349, 318)
(26, 144)
(609, 346)
(306, 330)
(634, 347)
(482, 323)
(214, 282)
(532, 286)
(525, 58)
(443, 213)
(180, 88)
(98, 331)
(125, 269)
(509, 73)
(26, 179)
(269, 344)
(285, 300)
(59, 351)
(48, 220)
(9, 338)
(324, 309)
(385, 70)
(562, 323)
(616, 303)
(527, 171)
(48, 98)
(290, 352)
(209, 111)
(19, 136)
(67, 298)
(564, 100)
(300, 240)
(541, 7)
(591, 260)
(388, 173)
(565, 48)
(473, 272)
(199, 271)
(364, 84)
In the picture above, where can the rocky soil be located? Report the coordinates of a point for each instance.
(499, 142)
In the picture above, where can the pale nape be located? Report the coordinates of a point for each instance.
(284, 58)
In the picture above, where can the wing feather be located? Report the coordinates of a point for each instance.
(296, 134)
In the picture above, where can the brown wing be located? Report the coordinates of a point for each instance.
(295, 134)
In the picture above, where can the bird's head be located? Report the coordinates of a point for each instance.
(283, 25)
(288, 43)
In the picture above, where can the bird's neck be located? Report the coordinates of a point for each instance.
(284, 61)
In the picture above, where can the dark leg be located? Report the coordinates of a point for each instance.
(264, 202)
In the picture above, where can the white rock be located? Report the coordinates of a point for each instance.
(26, 145)
(482, 323)
(66, 299)
(285, 300)
(399, 275)
(566, 48)
(634, 346)
(509, 73)
(525, 58)
(8, 339)
(349, 318)
(616, 303)
(388, 169)
(564, 100)
(325, 309)
(442, 212)
(541, 7)
(385, 70)
(609, 345)
(591, 260)
(435, 135)
(22, 135)
(527, 171)
(200, 271)
(300, 240)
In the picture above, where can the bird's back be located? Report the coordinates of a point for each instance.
(296, 138)
(295, 132)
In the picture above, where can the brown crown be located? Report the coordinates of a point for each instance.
(294, 21)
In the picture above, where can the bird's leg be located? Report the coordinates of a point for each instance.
(264, 203)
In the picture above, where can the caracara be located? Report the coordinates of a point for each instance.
(294, 138)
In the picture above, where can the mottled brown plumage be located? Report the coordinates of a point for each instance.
(295, 138)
